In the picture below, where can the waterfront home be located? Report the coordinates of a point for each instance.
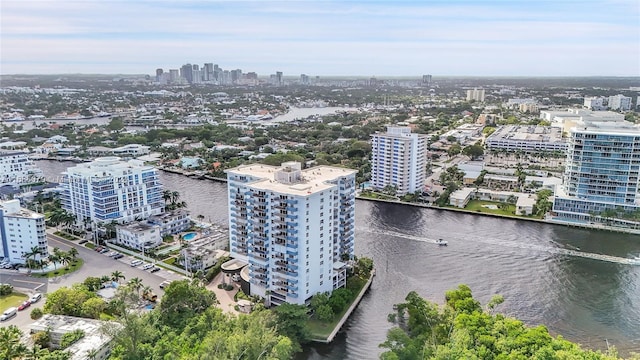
(190, 162)
(138, 235)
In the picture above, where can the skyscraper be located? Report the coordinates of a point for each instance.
(108, 189)
(279, 80)
(601, 174)
(208, 72)
(186, 71)
(398, 159)
(426, 80)
(295, 228)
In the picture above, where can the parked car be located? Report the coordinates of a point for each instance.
(35, 298)
(135, 263)
(8, 314)
(24, 305)
(147, 266)
(99, 248)
(119, 256)
(84, 241)
(235, 277)
(164, 284)
(154, 269)
(112, 254)
(104, 250)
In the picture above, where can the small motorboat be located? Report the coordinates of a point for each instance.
(442, 242)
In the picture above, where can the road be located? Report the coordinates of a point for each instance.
(95, 264)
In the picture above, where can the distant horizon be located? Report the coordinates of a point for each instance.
(367, 38)
(296, 76)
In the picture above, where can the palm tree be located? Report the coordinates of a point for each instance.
(35, 251)
(65, 259)
(105, 279)
(136, 284)
(73, 252)
(166, 196)
(146, 290)
(54, 259)
(117, 275)
(92, 354)
(174, 197)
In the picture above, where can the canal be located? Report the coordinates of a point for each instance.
(574, 281)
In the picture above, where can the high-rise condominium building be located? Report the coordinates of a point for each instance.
(620, 102)
(109, 189)
(20, 231)
(295, 228)
(398, 158)
(601, 174)
(475, 94)
(17, 169)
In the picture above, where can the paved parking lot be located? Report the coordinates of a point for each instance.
(95, 264)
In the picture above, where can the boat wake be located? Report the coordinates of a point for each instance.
(511, 244)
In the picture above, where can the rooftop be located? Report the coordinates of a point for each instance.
(313, 180)
(94, 337)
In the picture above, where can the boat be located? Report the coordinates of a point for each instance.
(442, 242)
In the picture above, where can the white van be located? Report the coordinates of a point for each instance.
(8, 314)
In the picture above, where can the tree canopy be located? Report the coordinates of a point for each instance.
(462, 329)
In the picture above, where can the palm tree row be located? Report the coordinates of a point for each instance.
(61, 216)
(58, 256)
(171, 200)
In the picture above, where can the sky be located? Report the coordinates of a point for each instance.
(325, 38)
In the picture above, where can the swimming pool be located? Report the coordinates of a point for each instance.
(189, 236)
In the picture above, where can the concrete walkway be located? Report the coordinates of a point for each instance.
(224, 297)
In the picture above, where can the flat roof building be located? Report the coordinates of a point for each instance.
(527, 138)
(21, 230)
(292, 227)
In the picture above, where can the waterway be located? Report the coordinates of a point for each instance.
(579, 283)
(293, 114)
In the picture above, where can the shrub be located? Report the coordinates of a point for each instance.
(5, 289)
(36, 313)
(70, 338)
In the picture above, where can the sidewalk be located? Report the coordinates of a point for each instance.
(225, 298)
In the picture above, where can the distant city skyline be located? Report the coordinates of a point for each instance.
(325, 38)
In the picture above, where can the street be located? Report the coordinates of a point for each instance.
(95, 264)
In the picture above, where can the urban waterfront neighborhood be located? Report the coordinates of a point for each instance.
(255, 206)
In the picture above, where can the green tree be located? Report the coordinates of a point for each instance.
(473, 151)
(10, 345)
(182, 300)
(68, 301)
(292, 322)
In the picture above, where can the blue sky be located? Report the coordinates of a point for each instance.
(366, 38)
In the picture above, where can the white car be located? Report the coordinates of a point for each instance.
(147, 266)
(135, 263)
(35, 298)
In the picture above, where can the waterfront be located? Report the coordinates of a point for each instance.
(537, 267)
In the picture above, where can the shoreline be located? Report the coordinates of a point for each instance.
(509, 217)
(199, 176)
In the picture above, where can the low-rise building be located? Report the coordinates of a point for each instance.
(94, 341)
(526, 138)
(131, 150)
(21, 230)
(138, 235)
(500, 182)
(171, 222)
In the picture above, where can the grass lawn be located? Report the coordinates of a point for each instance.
(13, 299)
(75, 265)
(375, 195)
(476, 205)
(170, 261)
(90, 245)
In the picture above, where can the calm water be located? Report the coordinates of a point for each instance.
(547, 273)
